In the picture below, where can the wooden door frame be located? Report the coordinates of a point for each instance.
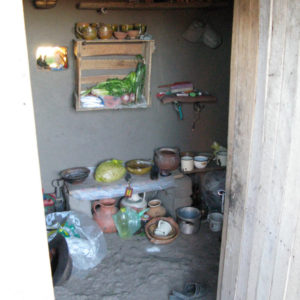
(261, 232)
(243, 272)
(25, 263)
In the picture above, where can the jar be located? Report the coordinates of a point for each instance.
(105, 32)
(187, 163)
(167, 160)
(156, 209)
(103, 210)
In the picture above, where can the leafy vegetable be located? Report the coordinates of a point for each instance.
(109, 171)
(132, 83)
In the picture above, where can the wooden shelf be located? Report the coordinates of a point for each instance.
(99, 60)
(187, 99)
(204, 170)
(150, 5)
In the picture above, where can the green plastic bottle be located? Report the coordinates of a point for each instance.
(123, 224)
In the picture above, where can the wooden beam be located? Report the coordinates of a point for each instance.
(187, 99)
(154, 5)
(108, 64)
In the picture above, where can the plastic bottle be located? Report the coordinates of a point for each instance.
(123, 224)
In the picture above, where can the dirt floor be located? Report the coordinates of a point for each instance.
(136, 269)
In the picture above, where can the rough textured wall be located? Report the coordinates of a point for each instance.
(67, 138)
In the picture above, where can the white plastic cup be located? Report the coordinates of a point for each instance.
(215, 221)
(187, 163)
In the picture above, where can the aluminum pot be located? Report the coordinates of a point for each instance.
(188, 219)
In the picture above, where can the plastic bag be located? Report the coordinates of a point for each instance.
(85, 239)
(110, 170)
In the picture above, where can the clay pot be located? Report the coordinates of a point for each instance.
(167, 159)
(103, 210)
(105, 32)
(156, 209)
(86, 31)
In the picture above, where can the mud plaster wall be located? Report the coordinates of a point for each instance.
(67, 138)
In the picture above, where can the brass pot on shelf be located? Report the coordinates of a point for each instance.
(105, 31)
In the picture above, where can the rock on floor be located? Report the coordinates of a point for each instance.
(136, 269)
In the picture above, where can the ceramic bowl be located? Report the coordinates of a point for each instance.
(133, 34)
(138, 166)
(200, 161)
(120, 35)
(75, 175)
(126, 27)
(152, 225)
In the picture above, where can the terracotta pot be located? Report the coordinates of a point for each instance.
(167, 159)
(103, 210)
(156, 209)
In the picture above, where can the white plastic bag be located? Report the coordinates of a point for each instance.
(84, 237)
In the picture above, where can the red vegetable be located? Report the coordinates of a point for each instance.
(125, 98)
(132, 97)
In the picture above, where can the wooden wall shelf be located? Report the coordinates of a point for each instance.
(187, 99)
(98, 60)
(204, 170)
(150, 5)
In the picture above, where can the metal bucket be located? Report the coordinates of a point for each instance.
(188, 219)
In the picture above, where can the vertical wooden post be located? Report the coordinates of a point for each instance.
(260, 243)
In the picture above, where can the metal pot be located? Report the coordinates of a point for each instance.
(188, 219)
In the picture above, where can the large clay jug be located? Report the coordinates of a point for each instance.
(103, 210)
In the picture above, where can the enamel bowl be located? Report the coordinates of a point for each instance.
(200, 161)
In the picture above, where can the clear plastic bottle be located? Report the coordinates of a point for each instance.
(123, 224)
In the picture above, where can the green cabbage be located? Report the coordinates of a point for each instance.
(109, 171)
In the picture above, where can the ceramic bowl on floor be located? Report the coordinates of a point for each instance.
(152, 225)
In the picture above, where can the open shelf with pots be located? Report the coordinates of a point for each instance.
(188, 99)
(151, 5)
(99, 60)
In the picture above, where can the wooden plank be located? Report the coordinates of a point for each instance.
(155, 5)
(260, 257)
(242, 101)
(149, 49)
(186, 99)
(204, 170)
(111, 49)
(99, 78)
(108, 64)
